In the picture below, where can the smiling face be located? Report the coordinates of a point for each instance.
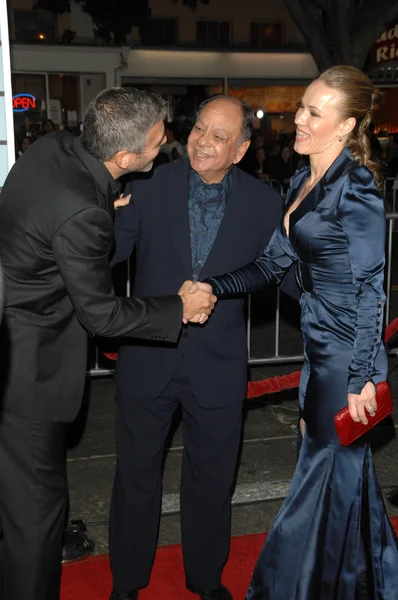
(213, 145)
(318, 121)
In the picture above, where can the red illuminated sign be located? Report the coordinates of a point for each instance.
(23, 102)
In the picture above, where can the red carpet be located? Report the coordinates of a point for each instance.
(91, 578)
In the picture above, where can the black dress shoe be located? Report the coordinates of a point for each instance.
(220, 593)
(76, 545)
(130, 595)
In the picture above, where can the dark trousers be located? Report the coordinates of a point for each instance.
(33, 499)
(211, 443)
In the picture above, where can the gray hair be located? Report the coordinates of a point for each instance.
(247, 114)
(120, 119)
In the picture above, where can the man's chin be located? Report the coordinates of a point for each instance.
(147, 168)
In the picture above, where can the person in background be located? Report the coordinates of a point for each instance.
(26, 143)
(55, 238)
(281, 167)
(172, 148)
(332, 538)
(47, 126)
(261, 160)
(296, 159)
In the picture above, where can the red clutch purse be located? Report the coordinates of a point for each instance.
(348, 430)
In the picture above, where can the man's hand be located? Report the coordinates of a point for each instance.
(121, 201)
(198, 285)
(198, 301)
(200, 318)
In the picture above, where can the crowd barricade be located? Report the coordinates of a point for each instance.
(103, 365)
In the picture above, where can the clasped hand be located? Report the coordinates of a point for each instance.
(360, 405)
(197, 298)
(198, 301)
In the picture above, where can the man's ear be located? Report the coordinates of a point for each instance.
(122, 159)
(241, 151)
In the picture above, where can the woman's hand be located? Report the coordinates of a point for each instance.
(121, 201)
(363, 404)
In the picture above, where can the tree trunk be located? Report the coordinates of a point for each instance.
(337, 31)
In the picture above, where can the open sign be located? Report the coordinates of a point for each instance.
(23, 102)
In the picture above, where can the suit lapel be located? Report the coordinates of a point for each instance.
(295, 182)
(322, 190)
(178, 217)
(328, 187)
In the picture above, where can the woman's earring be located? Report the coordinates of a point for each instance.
(340, 139)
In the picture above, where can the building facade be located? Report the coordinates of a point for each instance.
(256, 52)
(252, 50)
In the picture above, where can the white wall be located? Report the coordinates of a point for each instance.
(237, 65)
(7, 148)
(91, 85)
(161, 63)
(68, 59)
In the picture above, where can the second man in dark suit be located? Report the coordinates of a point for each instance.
(193, 219)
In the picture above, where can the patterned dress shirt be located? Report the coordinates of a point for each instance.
(207, 204)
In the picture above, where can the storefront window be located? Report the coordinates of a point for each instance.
(278, 105)
(29, 105)
(64, 101)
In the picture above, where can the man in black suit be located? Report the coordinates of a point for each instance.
(192, 219)
(56, 215)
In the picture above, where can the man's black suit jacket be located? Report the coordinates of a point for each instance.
(56, 233)
(157, 223)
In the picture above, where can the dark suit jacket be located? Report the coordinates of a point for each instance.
(157, 222)
(56, 233)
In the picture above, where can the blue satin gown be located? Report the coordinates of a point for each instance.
(331, 539)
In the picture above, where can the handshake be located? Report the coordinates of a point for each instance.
(198, 301)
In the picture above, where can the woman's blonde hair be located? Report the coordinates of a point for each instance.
(360, 98)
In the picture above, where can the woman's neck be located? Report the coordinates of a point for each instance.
(321, 162)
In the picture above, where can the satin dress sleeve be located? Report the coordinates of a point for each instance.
(268, 269)
(363, 219)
